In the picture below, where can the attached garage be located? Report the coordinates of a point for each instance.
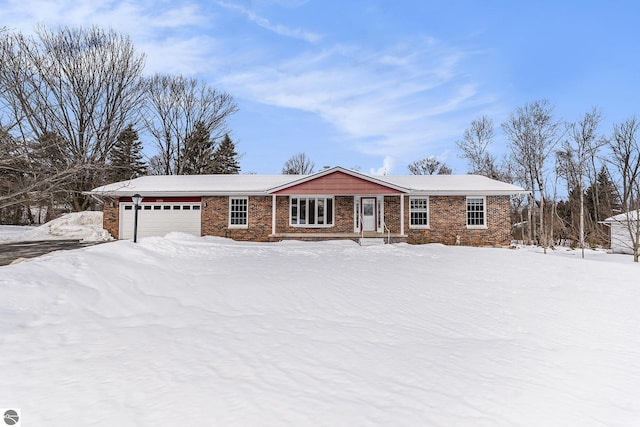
(157, 217)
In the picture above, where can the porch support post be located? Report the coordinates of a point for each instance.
(402, 214)
(273, 214)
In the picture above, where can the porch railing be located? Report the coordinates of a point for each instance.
(388, 232)
(361, 227)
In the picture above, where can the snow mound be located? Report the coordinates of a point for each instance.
(85, 226)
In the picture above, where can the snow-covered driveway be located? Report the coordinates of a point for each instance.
(210, 332)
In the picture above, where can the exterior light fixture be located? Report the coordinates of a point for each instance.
(137, 199)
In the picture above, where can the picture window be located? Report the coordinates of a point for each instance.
(311, 211)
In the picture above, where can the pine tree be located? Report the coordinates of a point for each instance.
(602, 200)
(198, 154)
(126, 158)
(226, 158)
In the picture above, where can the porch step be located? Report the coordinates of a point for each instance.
(370, 241)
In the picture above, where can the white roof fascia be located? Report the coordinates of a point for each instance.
(465, 193)
(175, 193)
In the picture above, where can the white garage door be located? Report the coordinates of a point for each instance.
(158, 219)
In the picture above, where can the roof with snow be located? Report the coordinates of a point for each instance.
(194, 185)
(210, 185)
(623, 217)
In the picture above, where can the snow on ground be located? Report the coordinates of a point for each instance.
(85, 226)
(209, 332)
(13, 233)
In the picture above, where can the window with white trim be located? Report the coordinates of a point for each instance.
(311, 211)
(476, 212)
(238, 212)
(419, 212)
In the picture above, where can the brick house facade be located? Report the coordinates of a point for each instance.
(335, 203)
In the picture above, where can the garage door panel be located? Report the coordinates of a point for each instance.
(160, 219)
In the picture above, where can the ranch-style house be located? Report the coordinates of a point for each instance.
(334, 203)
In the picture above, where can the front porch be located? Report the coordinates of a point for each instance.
(336, 217)
(339, 204)
(388, 237)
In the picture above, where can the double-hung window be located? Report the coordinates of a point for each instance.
(238, 212)
(419, 212)
(311, 211)
(476, 212)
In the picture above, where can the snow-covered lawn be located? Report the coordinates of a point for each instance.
(210, 332)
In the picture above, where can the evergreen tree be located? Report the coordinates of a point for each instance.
(199, 149)
(226, 158)
(601, 198)
(126, 158)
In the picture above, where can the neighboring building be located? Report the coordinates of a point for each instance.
(620, 237)
(335, 203)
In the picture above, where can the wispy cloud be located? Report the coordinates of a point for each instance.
(280, 29)
(165, 31)
(391, 103)
(388, 99)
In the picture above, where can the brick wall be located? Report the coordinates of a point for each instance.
(447, 217)
(447, 220)
(392, 214)
(110, 218)
(215, 218)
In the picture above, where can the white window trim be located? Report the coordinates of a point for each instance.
(484, 212)
(380, 220)
(311, 196)
(230, 204)
(421, 227)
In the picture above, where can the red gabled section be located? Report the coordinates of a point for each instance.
(338, 183)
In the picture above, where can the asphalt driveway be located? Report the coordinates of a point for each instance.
(9, 252)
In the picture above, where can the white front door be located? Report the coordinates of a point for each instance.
(369, 214)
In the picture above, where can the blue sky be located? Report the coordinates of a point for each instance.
(375, 84)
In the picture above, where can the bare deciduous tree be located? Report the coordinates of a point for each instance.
(298, 164)
(82, 84)
(533, 133)
(176, 104)
(574, 158)
(32, 171)
(475, 148)
(429, 166)
(625, 160)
